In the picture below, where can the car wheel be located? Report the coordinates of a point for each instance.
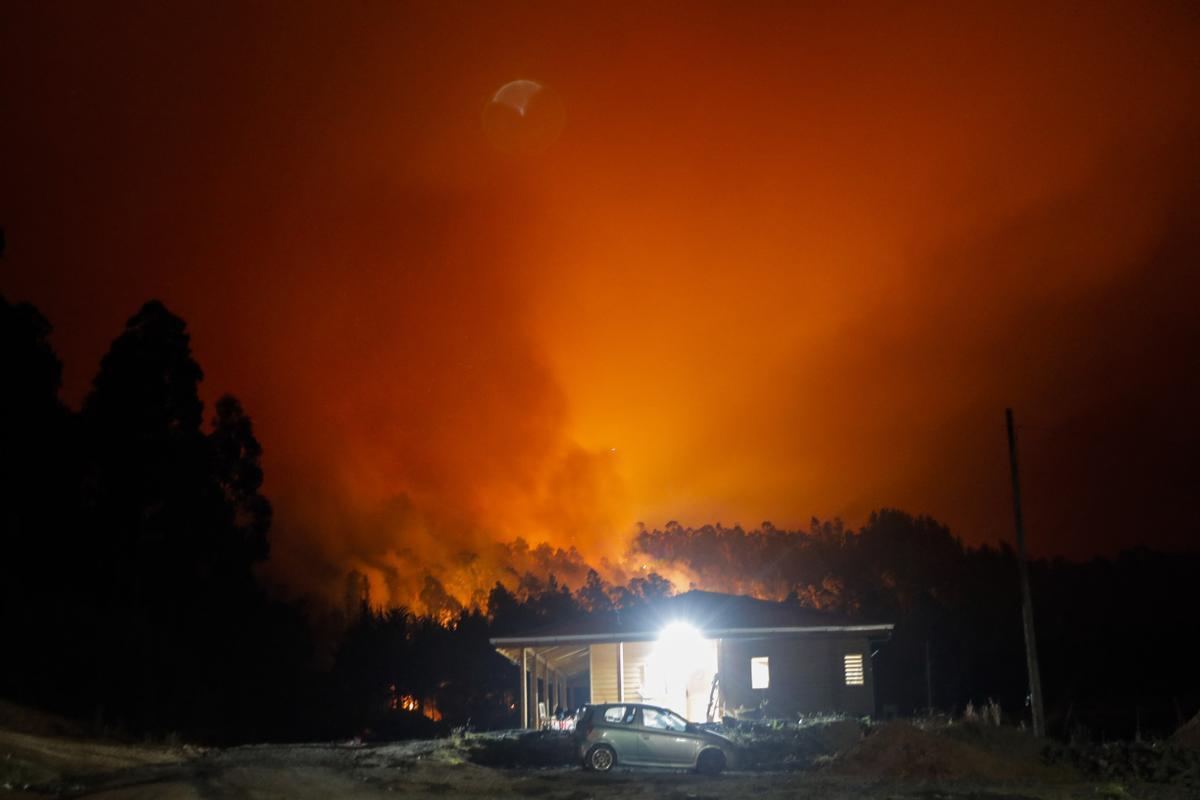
(600, 758)
(711, 762)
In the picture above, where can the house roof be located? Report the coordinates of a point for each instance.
(717, 616)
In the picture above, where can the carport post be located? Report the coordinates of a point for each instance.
(620, 672)
(540, 694)
(537, 691)
(524, 687)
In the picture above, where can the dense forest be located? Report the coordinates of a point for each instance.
(132, 529)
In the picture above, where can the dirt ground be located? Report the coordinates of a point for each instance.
(894, 762)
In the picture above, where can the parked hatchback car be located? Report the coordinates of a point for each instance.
(638, 735)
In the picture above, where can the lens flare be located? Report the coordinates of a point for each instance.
(523, 117)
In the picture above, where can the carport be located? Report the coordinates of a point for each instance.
(617, 665)
(546, 666)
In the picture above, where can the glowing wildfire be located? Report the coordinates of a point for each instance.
(766, 563)
(408, 703)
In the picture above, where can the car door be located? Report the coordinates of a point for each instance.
(665, 738)
(619, 728)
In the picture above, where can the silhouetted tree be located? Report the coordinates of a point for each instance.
(237, 460)
(31, 425)
(641, 590)
(174, 523)
(37, 469)
(594, 596)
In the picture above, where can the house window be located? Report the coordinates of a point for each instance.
(854, 670)
(760, 672)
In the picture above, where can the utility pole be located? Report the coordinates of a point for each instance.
(928, 680)
(1031, 658)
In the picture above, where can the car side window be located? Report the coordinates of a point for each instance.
(663, 720)
(616, 714)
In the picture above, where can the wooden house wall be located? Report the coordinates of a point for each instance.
(807, 675)
(602, 665)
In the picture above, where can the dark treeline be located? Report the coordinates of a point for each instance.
(130, 534)
(132, 528)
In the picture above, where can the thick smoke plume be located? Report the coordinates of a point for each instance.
(783, 262)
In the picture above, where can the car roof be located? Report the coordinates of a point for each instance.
(627, 705)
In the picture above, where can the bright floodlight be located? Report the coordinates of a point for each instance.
(680, 649)
(680, 669)
(679, 634)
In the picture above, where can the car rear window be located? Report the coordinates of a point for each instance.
(619, 714)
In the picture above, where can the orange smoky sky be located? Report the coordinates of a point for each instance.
(782, 260)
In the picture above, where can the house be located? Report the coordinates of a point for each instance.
(704, 655)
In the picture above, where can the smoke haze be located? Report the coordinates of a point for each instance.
(787, 265)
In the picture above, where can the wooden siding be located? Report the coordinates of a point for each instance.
(636, 654)
(602, 663)
(807, 675)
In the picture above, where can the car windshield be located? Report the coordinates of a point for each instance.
(663, 720)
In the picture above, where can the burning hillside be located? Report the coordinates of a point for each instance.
(825, 567)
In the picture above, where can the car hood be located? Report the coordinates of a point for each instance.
(717, 738)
